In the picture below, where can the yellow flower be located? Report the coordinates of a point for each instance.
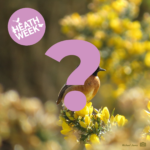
(119, 5)
(94, 139)
(115, 24)
(83, 124)
(121, 120)
(87, 110)
(147, 59)
(104, 116)
(112, 15)
(126, 23)
(66, 128)
(147, 45)
(135, 34)
(138, 47)
(94, 20)
(100, 34)
(87, 119)
(96, 42)
(106, 112)
(146, 129)
(148, 105)
(135, 25)
(90, 107)
(148, 137)
(88, 146)
(120, 90)
(97, 115)
(75, 16)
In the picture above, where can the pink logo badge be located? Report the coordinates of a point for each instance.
(26, 26)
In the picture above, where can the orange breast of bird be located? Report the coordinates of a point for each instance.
(89, 89)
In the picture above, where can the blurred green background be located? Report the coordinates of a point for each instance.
(27, 70)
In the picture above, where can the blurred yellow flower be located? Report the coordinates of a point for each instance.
(96, 42)
(121, 120)
(138, 47)
(148, 105)
(100, 35)
(147, 45)
(112, 119)
(136, 2)
(88, 146)
(146, 129)
(119, 5)
(94, 139)
(94, 20)
(145, 113)
(126, 23)
(75, 16)
(120, 90)
(147, 59)
(115, 24)
(148, 137)
(135, 34)
(134, 25)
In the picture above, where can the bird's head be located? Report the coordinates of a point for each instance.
(97, 70)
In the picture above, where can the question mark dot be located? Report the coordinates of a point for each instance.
(75, 100)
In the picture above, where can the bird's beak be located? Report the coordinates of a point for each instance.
(101, 69)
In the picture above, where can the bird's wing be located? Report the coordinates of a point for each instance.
(61, 93)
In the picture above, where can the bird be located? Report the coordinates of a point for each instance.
(18, 19)
(89, 89)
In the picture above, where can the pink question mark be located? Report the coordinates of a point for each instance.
(89, 61)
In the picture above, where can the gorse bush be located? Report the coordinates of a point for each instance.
(123, 41)
(89, 126)
(124, 44)
(26, 123)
